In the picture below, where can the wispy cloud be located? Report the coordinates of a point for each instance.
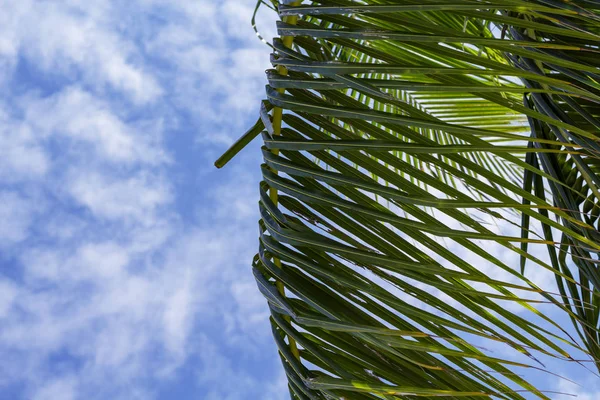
(114, 284)
(78, 41)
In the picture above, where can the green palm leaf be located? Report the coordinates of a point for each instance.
(394, 134)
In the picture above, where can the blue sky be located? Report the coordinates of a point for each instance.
(125, 255)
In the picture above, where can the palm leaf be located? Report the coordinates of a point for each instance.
(394, 133)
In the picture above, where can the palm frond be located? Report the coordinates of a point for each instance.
(394, 134)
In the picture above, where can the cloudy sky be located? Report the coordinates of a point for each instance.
(124, 254)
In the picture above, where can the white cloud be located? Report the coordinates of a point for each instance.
(8, 294)
(586, 392)
(64, 389)
(135, 198)
(217, 372)
(22, 155)
(77, 41)
(177, 316)
(16, 214)
(90, 124)
(91, 261)
(123, 319)
(219, 61)
(108, 305)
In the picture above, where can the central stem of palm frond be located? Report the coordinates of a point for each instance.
(277, 120)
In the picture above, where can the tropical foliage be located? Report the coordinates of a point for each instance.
(417, 155)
